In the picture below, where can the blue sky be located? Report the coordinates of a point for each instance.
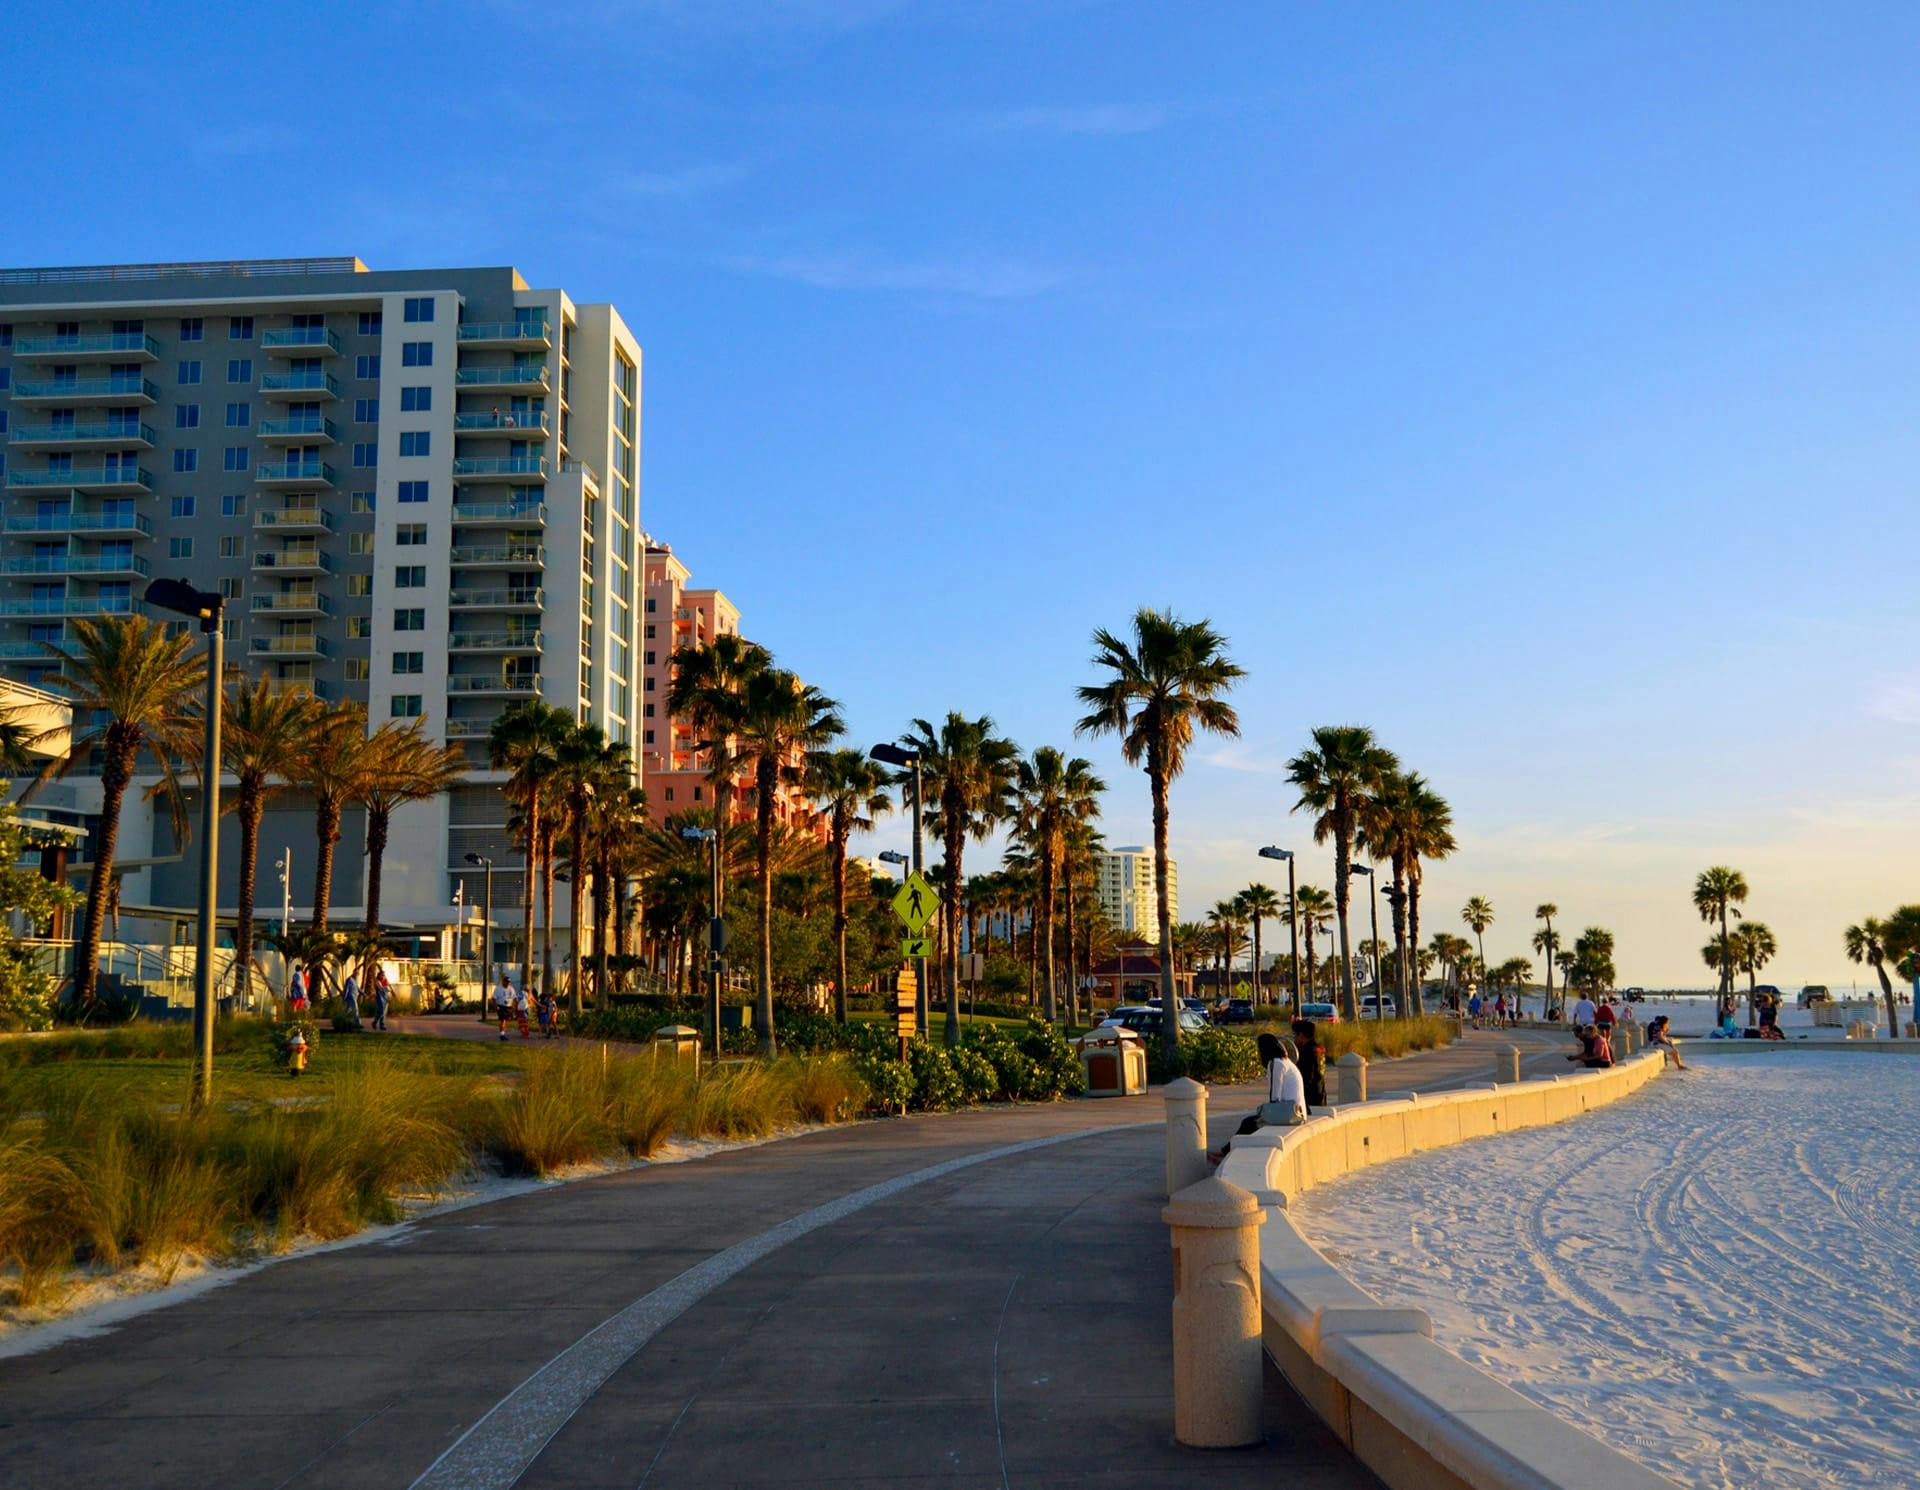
(1534, 384)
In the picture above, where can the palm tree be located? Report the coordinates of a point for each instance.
(852, 791)
(1592, 960)
(1753, 948)
(618, 811)
(1338, 777)
(524, 741)
(402, 766)
(1903, 943)
(334, 770)
(1430, 836)
(1867, 943)
(132, 686)
(970, 771)
(1312, 911)
(1078, 845)
(706, 690)
(1171, 680)
(582, 766)
(1478, 914)
(262, 737)
(1546, 943)
(1051, 791)
(1389, 826)
(1228, 926)
(779, 722)
(1257, 902)
(1715, 893)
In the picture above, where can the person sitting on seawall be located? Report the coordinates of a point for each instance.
(1596, 1050)
(1660, 1037)
(1286, 1103)
(1312, 1061)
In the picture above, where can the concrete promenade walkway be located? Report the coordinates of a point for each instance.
(979, 1299)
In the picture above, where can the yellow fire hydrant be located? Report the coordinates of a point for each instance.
(296, 1053)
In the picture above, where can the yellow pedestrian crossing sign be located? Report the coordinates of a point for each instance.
(916, 946)
(916, 902)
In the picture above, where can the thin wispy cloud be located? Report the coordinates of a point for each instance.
(1238, 755)
(1896, 702)
(983, 278)
(1097, 120)
(681, 181)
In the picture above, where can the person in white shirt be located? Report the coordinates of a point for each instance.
(1583, 1012)
(1286, 1088)
(503, 1002)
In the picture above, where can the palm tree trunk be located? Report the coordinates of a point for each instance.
(378, 827)
(1397, 903)
(530, 852)
(546, 910)
(766, 781)
(1169, 1002)
(1342, 877)
(1050, 1005)
(1073, 961)
(116, 771)
(1726, 962)
(1256, 961)
(1893, 1009)
(950, 912)
(1418, 1000)
(326, 830)
(576, 907)
(251, 808)
(840, 830)
(604, 909)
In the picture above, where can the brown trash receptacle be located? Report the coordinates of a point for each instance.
(1115, 1062)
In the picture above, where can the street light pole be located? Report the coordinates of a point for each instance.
(1373, 917)
(486, 927)
(898, 755)
(286, 920)
(1293, 921)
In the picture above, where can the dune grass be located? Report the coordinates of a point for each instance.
(1382, 1039)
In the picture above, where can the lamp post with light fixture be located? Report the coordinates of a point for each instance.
(1293, 920)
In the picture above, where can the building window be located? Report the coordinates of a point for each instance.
(413, 491)
(406, 706)
(367, 365)
(649, 685)
(410, 577)
(239, 369)
(409, 662)
(359, 628)
(230, 546)
(234, 504)
(239, 328)
(231, 586)
(366, 454)
(649, 659)
(416, 442)
(649, 738)
(6, 336)
(179, 548)
(366, 411)
(360, 585)
(359, 543)
(416, 354)
(187, 416)
(418, 308)
(186, 460)
(649, 605)
(410, 620)
(189, 373)
(193, 329)
(239, 416)
(356, 668)
(369, 323)
(182, 506)
(669, 794)
(416, 400)
(361, 502)
(236, 458)
(410, 535)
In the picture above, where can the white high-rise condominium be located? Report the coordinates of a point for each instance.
(1127, 893)
(416, 488)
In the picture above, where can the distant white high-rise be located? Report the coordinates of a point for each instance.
(1127, 892)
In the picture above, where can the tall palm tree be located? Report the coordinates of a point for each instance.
(1390, 824)
(851, 789)
(334, 770)
(1478, 914)
(262, 737)
(1257, 902)
(780, 721)
(1715, 892)
(969, 771)
(1051, 791)
(1546, 943)
(618, 810)
(1078, 845)
(1754, 947)
(709, 680)
(524, 741)
(580, 768)
(402, 766)
(1312, 912)
(1338, 777)
(1866, 942)
(1169, 681)
(132, 687)
(1431, 838)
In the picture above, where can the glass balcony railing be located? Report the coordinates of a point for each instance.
(498, 512)
(305, 339)
(287, 518)
(499, 422)
(500, 377)
(76, 564)
(513, 684)
(81, 522)
(87, 476)
(101, 344)
(309, 427)
(71, 605)
(499, 553)
(495, 641)
(531, 599)
(301, 382)
(316, 471)
(90, 390)
(294, 603)
(507, 331)
(294, 558)
(288, 646)
(507, 465)
(81, 434)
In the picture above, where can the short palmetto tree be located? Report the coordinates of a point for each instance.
(334, 770)
(1478, 914)
(1312, 915)
(1754, 946)
(1546, 941)
(969, 771)
(1338, 776)
(851, 789)
(706, 691)
(263, 733)
(1715, 894)
(1257, 903)
(1161, 687)
(781, 721)
(132, 686)
(1866, 942)
(1050, 790)
(524, 741)
(402, 766)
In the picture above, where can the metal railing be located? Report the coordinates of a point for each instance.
(85, 476)
(481, 512)
(296, 601)
(503, 423)
(494, 599)
(78, 346)
(506, 465)
(468, 377)
(300, 338)
(295, 470)
(307, 425)
(89, 388)
(77, 564)
(39, 434)
(300, 382)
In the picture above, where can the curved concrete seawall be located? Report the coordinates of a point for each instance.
(1416, 1415)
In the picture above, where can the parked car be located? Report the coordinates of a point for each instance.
(1375, 1006)
(1144, 1019)
(1233, 1011)
(1815, 993)
(1320, 1013)
(1633, 995)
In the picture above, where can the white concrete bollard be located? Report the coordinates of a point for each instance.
(1186, 1101)
(1506, 1063)
(1217, 1358)
(1351, 1077)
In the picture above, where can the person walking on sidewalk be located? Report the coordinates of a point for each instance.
(382, 996)
(351, 993)
(503, 1002)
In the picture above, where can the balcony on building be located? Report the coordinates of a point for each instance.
(525, 426)
(101, 346)
(589, 478)
(310, 687)
(294, 473)
(526, 598)
(76, 392)
(109, 563)
(293, 603)
(293, 559)
(510, 641)
(132, 524)
(303, 383)
(469, 729)
(74, 436)
(520, 470)
(501, 379)
(499, 514)
(522, 334)
(300, 429)
(293, 519)
(495, 685)
(71, 605)
(287, 646)
(129, 479)
(302, 341)
(496, 555)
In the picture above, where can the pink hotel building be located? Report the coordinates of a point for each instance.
(673, 769)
